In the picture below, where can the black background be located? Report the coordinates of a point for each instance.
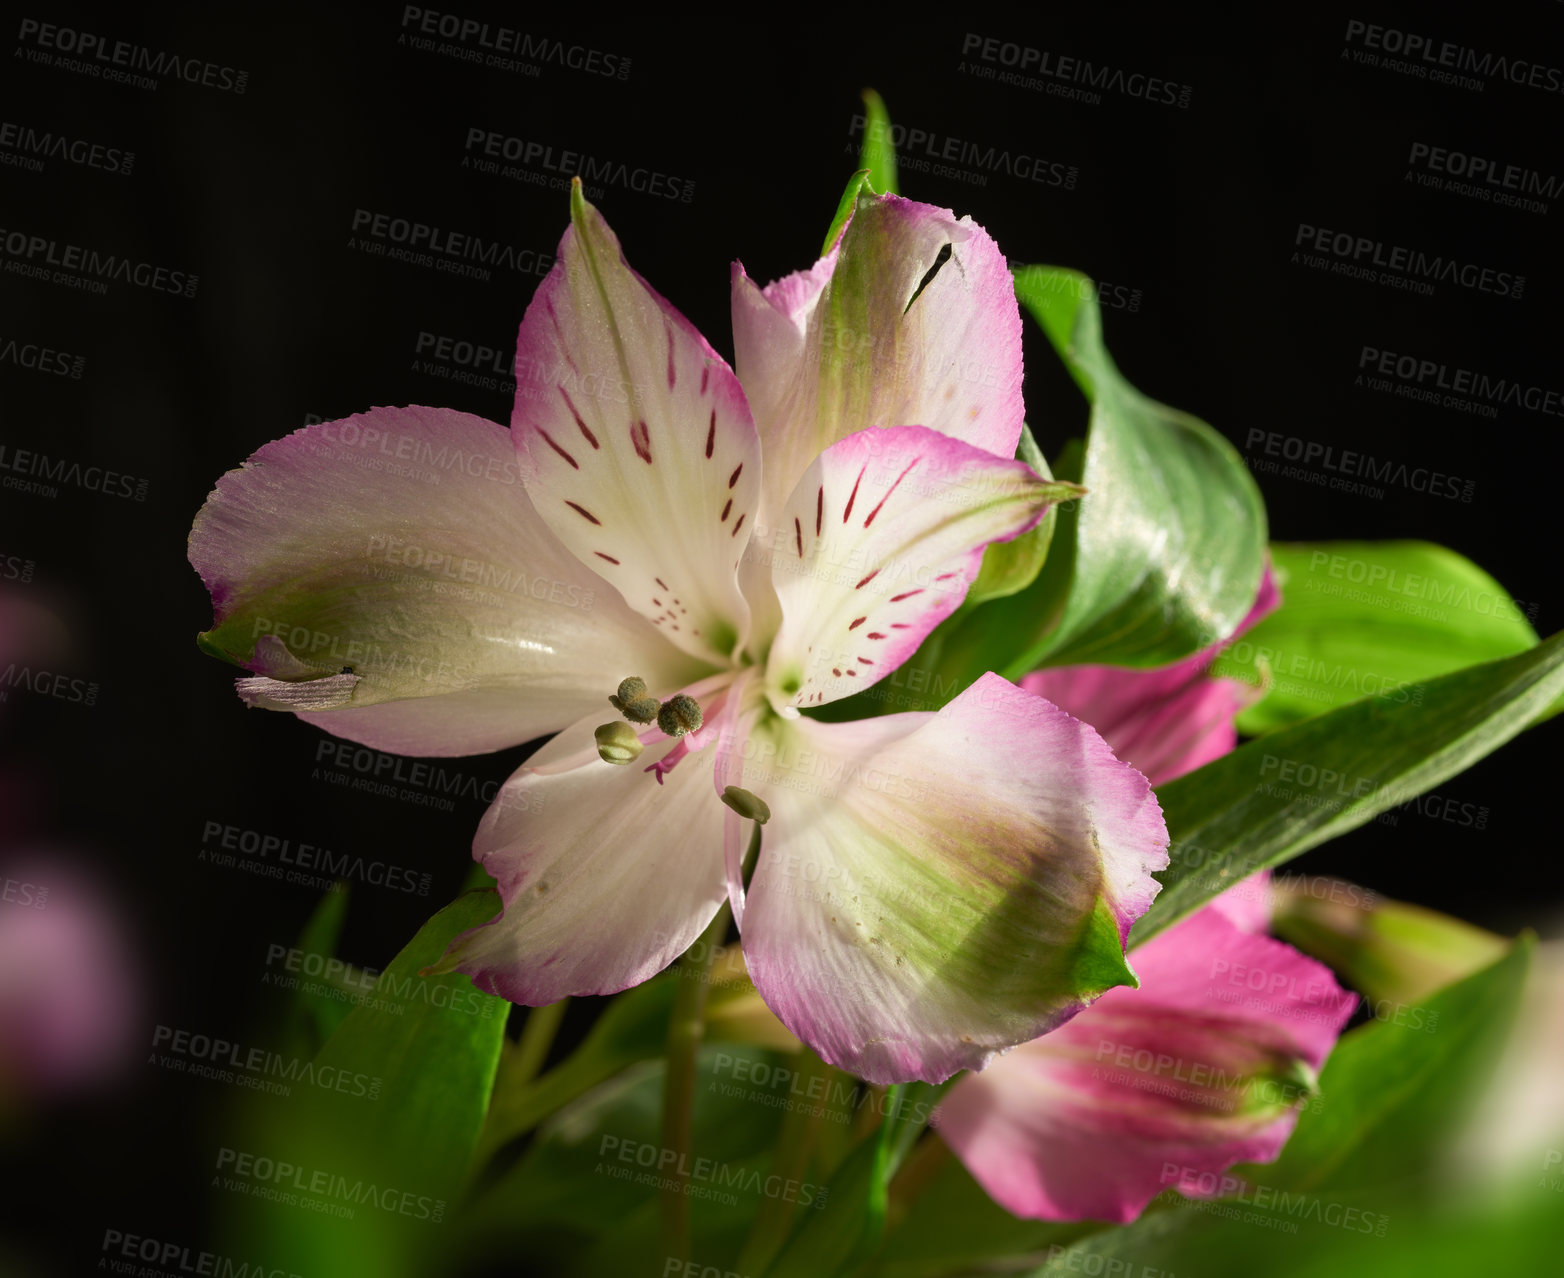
(1195, 208)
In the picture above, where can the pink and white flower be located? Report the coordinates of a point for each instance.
(933, 887)
(1206, 1064)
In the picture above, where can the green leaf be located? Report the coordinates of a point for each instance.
(849, 1227)
(379, 1137)
(632, 1028)
(1297, 788)
(1394, 1090)
(1168, 545)
(953, 1226)
(435, 1041)
(1360, 617)
(582, 1199)
(878, 154)
(845, 208)
(309, 1020)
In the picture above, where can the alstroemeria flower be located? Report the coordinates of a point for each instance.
(932, 887)
(1204, 1066)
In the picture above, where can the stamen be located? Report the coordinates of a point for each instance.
(633, 702)
(680, 714)
(617, 743)
(749, 806)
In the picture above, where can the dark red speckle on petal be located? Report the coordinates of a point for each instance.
(853, 496)
(584, 512)
(642, 439)
(711, 431)
(612, 560)
(549, 439)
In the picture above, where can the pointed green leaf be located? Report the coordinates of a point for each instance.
(1297, 788)
(845, 208)
(1166, 551)
(1359, 617)
(878, 153)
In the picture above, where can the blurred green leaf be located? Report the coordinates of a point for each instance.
(878, 153)
(1296, 788)
(1165, 553)
(1360, 617)
(376, 1141)
(583, 1198)
(1395, 1089)
(850, 1226)
(309, 1020)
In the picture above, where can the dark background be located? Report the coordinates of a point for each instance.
(1190, 212)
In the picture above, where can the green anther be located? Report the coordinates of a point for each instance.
(633, 702)
(749, 806)
(617, 743)
(680, 714)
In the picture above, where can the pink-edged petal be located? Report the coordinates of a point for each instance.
(606, 875)
(635, 441)
(1166, 722)
(911, 318)
(386, 576)
(933, 888)
(884, 534)
(1204, 1066)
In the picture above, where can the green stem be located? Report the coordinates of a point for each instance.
(537, 1036)
(913, 1176)
(794, 1143)
(686, 1028)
